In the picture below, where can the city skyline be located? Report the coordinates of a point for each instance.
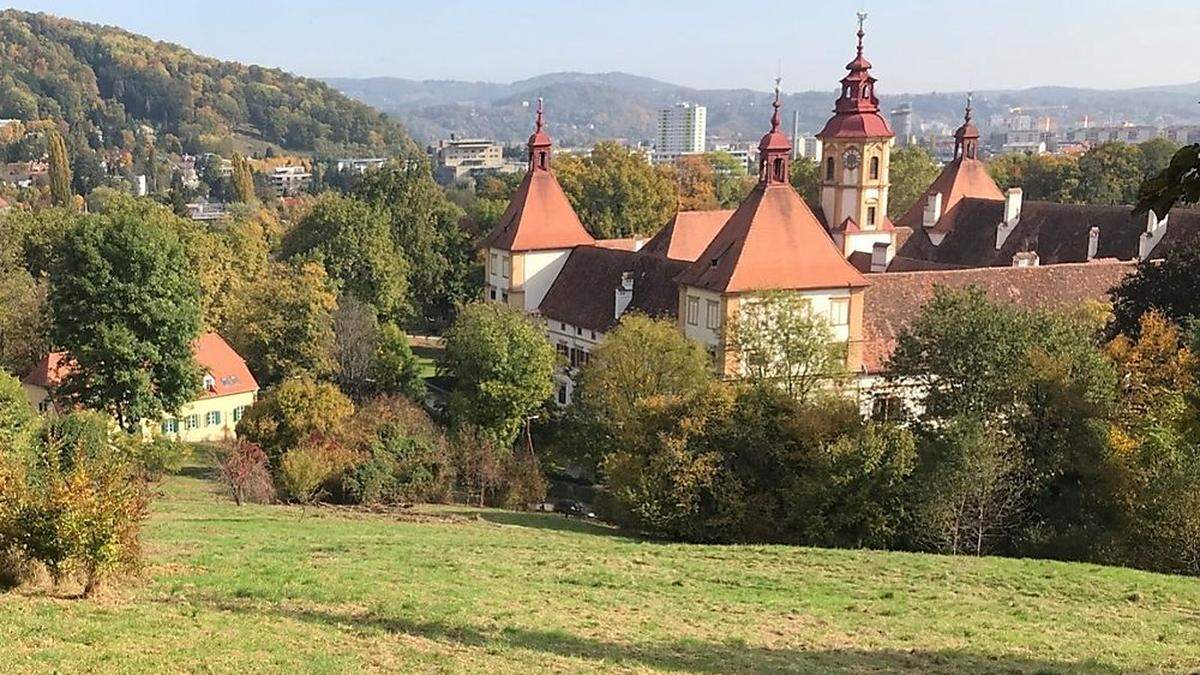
(915, 47)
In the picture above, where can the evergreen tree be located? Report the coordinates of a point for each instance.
(243, 180)
(60, 170)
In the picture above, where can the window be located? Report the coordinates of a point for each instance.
(839, 311)
(693, 310)
(212, 418)
(870, 215)
(493, 293)
(170, 426)
(210, 382)
(563, 397)
(504, 296)
(579, 357)
(563, 350)
(874, 167)
(506, 267)
(778, 170)
(238, 412)
(593, 335)
(44, 405)
(578, 330)
(712, 314)
(829, 168)
(191, 422)
(495, 266)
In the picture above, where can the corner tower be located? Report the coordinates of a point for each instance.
(536, 233)
(855, 161)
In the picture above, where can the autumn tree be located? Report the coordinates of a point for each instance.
(289, 414)
(243, 180)
(731, 181)
(60, 170)
(502, 366)
(911, 171)
(284, 325)
(125, 307)
(779, 340)
(353, 241)
(616, 192)
(697, 183)
(805, 175)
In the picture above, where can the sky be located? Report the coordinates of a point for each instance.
(933, 45)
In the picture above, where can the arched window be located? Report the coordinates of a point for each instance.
(828, 168)
(779, 169)
(542, 159)
(874, 167)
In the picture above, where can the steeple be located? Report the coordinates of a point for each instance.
(966, 137)
(539, 144)
(774, 150)
(856, 113)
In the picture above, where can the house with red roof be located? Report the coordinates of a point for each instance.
(227, 389)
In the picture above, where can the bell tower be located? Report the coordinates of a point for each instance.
(856, 153)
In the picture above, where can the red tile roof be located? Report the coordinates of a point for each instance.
(626, 244)
(539, 217)
(961, 179)
(688, 234)
(215, 356)
(772, 241)
(895, 299)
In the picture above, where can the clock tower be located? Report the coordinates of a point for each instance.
(857, 144)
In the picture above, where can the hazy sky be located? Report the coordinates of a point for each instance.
(916, 46)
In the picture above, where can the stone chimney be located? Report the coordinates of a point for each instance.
(933, 210)
(1093, 243)
(880, 256)
(1012, 215)
(624, 294)
(1155, 229)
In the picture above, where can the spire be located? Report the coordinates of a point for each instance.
(856, 114)
(774, 150)
(539, 144)
(966, 137)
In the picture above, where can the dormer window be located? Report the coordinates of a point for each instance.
(210, 382)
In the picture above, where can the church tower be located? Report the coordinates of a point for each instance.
(854, 167)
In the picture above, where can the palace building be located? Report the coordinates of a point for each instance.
(867, 276)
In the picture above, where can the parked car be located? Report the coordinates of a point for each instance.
(573, 509)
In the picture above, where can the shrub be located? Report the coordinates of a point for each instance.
(244, 470)
(78, 503)
(17, 419)
(292, 412)
(306, 470)
(406, 455)
(161, 455)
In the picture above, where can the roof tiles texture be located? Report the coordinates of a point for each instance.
(894, 300)
(688, 234)
(961, 179)
(584, 293)
(771, 242)
(539, 217)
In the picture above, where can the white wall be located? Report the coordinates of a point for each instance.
(701, 332)
(541, 269)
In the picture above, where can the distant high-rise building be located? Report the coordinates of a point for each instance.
(681, 130)
(902, 124)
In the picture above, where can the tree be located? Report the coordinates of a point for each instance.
(125, 307)
(806, 178)
(1156, 155)
(911, 171)
(291, 413)
(245, 470)
(1179, 183)
(1170, 286)
(442, 268)
(353, 241)
(23, 327)
(284, 326)
(356, 343)
(396, 368)
(243, 180)
(16, 416)
(503, 368)
(778, 339)
(730, 181)
(60, 171)
(697, 183)
(1110, 173)
(616, 192)
(639, 360)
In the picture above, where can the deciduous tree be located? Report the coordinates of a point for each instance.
(616, 192)
(911, 172)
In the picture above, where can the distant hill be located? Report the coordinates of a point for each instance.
(106, 82)
(585, 107)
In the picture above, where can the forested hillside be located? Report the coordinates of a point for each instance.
(105, 83)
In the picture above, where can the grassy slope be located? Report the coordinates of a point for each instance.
(261, 588)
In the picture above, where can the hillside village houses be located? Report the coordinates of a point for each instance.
(228, 389)
(865, 274)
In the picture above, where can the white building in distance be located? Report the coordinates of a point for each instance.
(681, 131)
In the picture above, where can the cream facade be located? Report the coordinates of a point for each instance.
(209, 419)
(520, 279)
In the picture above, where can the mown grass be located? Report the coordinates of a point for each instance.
(453, 589)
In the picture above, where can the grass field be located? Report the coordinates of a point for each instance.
(450, 589)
